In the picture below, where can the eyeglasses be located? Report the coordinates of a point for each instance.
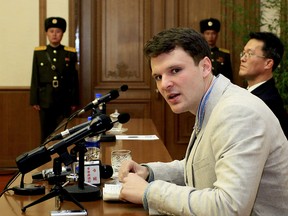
(250, 54)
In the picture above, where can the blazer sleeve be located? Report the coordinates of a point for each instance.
(174, 171)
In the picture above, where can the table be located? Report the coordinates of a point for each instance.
(142, 151)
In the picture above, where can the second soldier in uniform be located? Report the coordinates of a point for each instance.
(54, 83)
(220, 57)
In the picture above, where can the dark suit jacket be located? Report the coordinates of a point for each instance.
(270, 95)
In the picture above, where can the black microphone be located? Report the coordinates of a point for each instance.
(70, 131)
(113, 94)
(106, 171)
(123, 88)
(122, 118)
(99, 125)
(39, 156)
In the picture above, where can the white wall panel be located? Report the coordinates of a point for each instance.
(19, 24)
(59, 8)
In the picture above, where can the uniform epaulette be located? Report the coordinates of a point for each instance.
(40, 48)
(70, 49)
(224, 50)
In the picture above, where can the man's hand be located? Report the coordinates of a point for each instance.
(133, 188)
(133, 175)
(130, 166)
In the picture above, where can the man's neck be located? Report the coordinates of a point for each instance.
(252, 82)
(54, 45)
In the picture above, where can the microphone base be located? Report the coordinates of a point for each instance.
(29, 189)
(87, 194)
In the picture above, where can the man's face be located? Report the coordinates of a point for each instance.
(54, 36)
(179, 80)
(253, 62)
(211, 37)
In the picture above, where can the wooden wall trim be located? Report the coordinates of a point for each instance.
(73, 21)
(86, 42)
(42, 17)
(14, 88)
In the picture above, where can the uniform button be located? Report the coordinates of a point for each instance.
(54, 59)
(55, 51)
(212, 60)
(42, 64)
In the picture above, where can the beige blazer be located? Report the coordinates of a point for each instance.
(237, 165)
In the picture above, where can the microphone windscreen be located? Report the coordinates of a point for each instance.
(124, 88)
(114, 94)
(101, 122)
(123, 118)
(106, 171)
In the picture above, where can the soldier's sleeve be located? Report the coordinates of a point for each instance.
(74, 74)
(228, 68)
(34, 97)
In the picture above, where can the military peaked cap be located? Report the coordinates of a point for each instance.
(55, 22)
(209, 24)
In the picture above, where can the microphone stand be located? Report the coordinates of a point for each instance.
(28, 189)
(57, 189)
(81, 191)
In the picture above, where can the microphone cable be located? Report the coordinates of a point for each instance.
(10, 182)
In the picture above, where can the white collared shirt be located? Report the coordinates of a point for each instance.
(251, 88)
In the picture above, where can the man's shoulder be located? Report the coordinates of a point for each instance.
(70, 49)
(224, 50)
(268, 92)
(40, 48)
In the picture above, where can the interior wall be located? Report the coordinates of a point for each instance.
(20, 31)
(19, 34)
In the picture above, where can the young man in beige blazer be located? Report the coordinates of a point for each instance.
(236, 161)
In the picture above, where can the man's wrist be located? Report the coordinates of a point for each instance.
(144, 198)
(150, 176)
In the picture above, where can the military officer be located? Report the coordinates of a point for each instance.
(220, 57)
(54, 88)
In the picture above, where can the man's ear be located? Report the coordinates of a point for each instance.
(206, 66)
(269, 64)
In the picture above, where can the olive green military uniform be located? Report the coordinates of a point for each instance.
(54, 85)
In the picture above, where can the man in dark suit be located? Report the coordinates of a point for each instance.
(260, 57)
(220, 57)
(54, 83)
